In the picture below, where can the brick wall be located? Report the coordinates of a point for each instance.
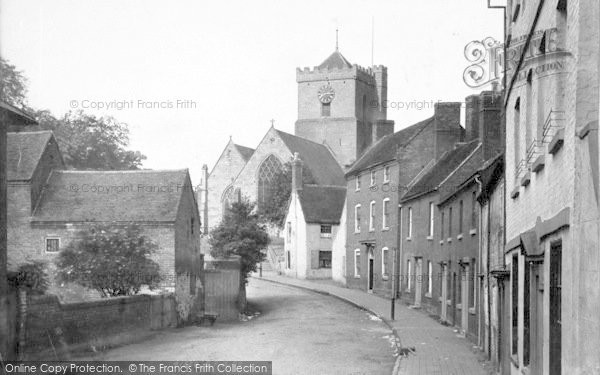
(66, 328)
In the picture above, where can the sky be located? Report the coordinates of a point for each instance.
(187, 75)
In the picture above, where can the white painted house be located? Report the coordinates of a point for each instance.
(311, 228)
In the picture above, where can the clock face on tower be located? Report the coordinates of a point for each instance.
(326, 94)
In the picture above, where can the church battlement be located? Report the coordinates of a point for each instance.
(367, 74)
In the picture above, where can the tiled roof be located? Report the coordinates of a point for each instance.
(15, 116)
(24, 152)
(491, 172)
(246, 152)
(121, 196)
(317, 158)
(335, 61)
(462, 175)
(322, 204)
(385, 149)
(449, 161)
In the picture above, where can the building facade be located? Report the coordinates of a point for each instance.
(374, 185)
(552, 202)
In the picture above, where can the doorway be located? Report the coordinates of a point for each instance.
(555, 307)
(537, 313)
(370, 269)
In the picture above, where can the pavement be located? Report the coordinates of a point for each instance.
(427, 346)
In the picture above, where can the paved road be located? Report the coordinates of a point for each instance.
(300, 331)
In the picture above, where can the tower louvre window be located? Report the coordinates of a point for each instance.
(325, 109)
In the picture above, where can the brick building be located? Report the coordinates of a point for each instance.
(374, 183)
(10, 116)
(311, 226)
(48, 206)
(552, 202)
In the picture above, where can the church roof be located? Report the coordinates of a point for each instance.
(317, 158)
(112, 196)
(322, 204)
(335, 61)
(385, 149)
(24, 152)
(443, 168)
(246, 152)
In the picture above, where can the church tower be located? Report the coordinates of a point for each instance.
(340, 104)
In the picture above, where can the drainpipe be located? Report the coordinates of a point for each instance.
(399, 246)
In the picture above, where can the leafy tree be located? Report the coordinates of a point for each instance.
(90, 142)
(30, 277)
(240, 233)
(86, 141)
(13, 84)
(113, 260)
(274, 210)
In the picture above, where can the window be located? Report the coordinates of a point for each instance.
(289, 260)
(372, 216)
(386, 174)
(324, 259)
(357, 218)
(442, 226)
(357, 183)
(474, 211)
(562, 5)
(373, 178)
(517, 133)
(461, 275)
(384, 260)
(192, 225)
(357, 263)
(431, 217)
(325, 230)
(269, 168)
(289, 231)
(52, 245)
(514, 279)
(325, 109)
(450, 222)
(460, 217)
(386, 214)
(429, 278)
(410, 223)
(408, 276)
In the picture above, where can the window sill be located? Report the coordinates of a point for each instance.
(356, 190)
(357, 276)
(356, 232)
(385, 277)
(514, 194)
(448, 302)
(538, 164)
(526, 180)
(472, 311)
(459, 306)
(386, 182)
(371, 230)
(409, 238)
(385, 229)
(427, 295)
(442, 242)
(429, 238)
(459, 237)
(557, 142)
(449, 239)
(473, 232)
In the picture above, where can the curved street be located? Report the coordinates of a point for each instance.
(300, 331)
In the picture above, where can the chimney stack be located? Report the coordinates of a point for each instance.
(491, 131)
(447, 126)
(381, 128)
(472, 118)
(296, 173)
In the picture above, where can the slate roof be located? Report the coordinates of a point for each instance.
(335, 61)
(317, 158)
(24, 152)
(112, 196)
(12, 115)
(385, 149)
(449, 161)
(322, 204)
(246, 152)
(462, 175)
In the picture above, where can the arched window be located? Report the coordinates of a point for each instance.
(227, 199)
(267, 171)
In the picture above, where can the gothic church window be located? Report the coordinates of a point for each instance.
(266, 174)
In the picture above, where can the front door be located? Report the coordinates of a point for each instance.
(419, 281)
(555, 308)
(370, 269)
(537, 313)
(444, 305)
(453, 298)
